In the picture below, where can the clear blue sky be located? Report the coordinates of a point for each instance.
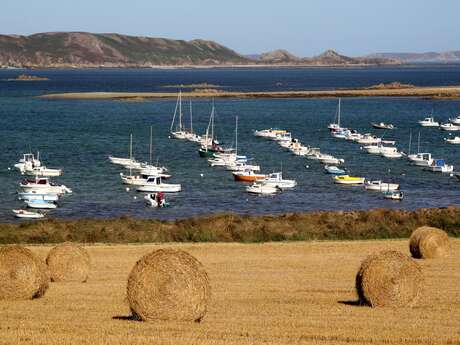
(308, 27)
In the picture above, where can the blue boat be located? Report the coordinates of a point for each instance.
(332, 169)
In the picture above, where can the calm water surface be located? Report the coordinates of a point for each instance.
(79, 135)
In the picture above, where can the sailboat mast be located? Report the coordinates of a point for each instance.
(212, 121)
(131, 154)
(418, 145)
(191, 117)
(151, 144)
(180, 110)
(236, 136)
(174, 116)
(338, 115)
(410, 141)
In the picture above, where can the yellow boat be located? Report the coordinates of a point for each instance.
(346, 179)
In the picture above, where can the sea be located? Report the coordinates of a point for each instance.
(79, 135)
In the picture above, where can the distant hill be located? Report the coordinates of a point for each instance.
(441, 57)
(328, 58)
(88, 50)
(81, 49)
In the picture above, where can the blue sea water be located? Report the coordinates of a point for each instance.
(78, 135)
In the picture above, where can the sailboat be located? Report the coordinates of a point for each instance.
(146, 170)
(335, 126)
(210, 147)
(179, 132)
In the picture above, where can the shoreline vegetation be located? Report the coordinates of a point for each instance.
(312, 226)
(387, 90)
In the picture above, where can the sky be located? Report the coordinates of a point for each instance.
(305, 28)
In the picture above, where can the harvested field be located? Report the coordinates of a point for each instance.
(274, 293)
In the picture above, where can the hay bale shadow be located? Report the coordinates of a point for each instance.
(356, 303)
(126, 318)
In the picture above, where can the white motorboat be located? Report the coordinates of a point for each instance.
(380, 186)
(378, 149)
(42, 171)
(276, 180)
(353, 136)
(382, 125)
(450, 127)
(393, 153)
(38, 196)
(330, 160)
(263, 189)
(40, 204)
(422, 159)
(428, 122)
(439, 165)
(369, 139)
(455, 120)
(28, 214)
(43, 185)
(242, 166)
(454, 140)
(139, 180)
(314, 153)
(269, 133)
(28, 161)
(155, 184)
(342, 133)
(393, 195)
(156, 200)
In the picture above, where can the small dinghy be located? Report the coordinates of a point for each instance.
(382, 125)
(393, 195)
(156, 200)
(28, 214)
(334, 170)
(263, 189)
(40, 204)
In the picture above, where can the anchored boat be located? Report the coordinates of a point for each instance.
(247, 176)
(382, 125)
(378, 185)
(28, 214)
(428, 122)
(155, 184)
(348, 180)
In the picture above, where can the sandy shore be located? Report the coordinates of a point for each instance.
(435, 91)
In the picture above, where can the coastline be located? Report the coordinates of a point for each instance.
(312, 226)
(452, 92)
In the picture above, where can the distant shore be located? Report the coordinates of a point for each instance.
(439, 92)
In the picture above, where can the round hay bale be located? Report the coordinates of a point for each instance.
(22, 274)
(389, 278)
(168, 284)
(428, 243)
(68, 262)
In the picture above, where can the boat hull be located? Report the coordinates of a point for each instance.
(155, 188)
